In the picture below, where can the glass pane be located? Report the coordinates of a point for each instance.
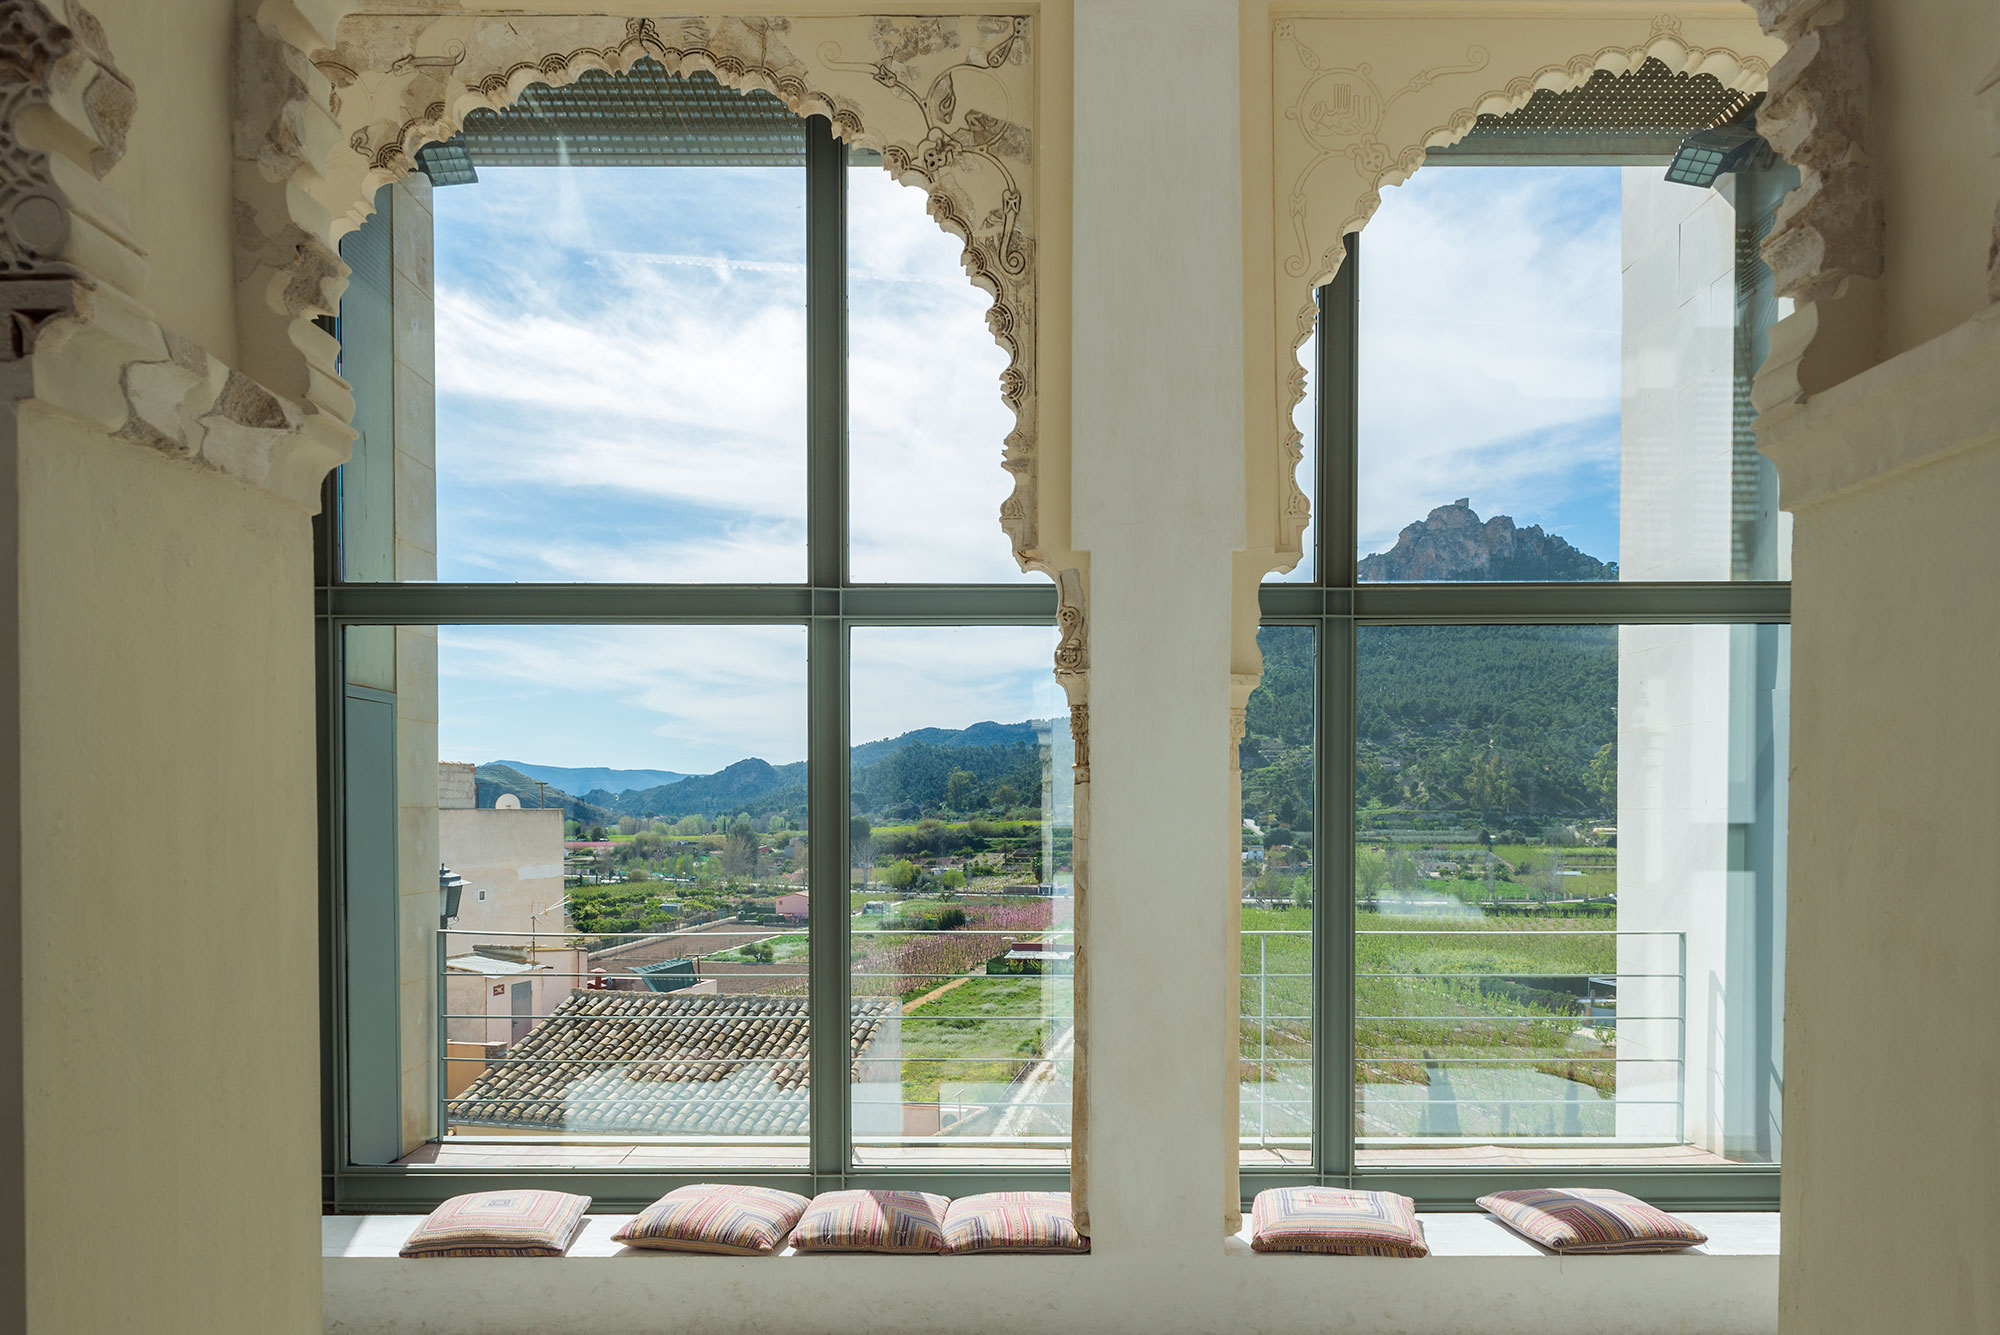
(960, 904)
(1276, 1017)
(616, 818)
(1555, 365)
(926, 423)
(1569, 881)
(587, 362)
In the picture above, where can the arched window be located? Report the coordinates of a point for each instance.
(681, 641)
(1514, 778)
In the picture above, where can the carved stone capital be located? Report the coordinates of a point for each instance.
(80, 339)
(1072, 663)
(1242, 685)
(1825, 246)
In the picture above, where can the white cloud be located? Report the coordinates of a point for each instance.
(696, 698)
(926, 421)
(615, 412)
(680, 377)
(949, 677)
(1490, 342)
(688, 698)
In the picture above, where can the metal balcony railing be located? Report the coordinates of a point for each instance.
(1474, 1035)
(702, 1034)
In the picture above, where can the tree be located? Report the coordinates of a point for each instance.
(1302, 891)
(759, 952)
(953, 879)
(901, 875)
(1278, 837)
(739, 849)
(687, 827)
(960, 789)
(1005, 795)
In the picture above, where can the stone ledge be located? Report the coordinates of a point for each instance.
(1480, 1278)
(1917, 408)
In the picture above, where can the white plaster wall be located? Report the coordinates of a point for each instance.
(1892, 1072)
(168, 820)
(1157, 498)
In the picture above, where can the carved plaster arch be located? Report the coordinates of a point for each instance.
(947, 100)
(1356, 106)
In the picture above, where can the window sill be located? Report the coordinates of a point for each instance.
(1479, 1277)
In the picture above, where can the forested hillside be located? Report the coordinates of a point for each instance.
(1495, 724)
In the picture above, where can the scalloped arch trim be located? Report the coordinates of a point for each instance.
(1344, 127)
(947, 100)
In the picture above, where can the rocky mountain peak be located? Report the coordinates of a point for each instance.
(1453, 545)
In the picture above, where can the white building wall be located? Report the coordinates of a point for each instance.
(1690, 730)
(512, 862)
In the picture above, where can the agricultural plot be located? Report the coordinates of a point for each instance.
(982, 1031)
(1484, 1013)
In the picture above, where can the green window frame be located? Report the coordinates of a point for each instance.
(829, 604)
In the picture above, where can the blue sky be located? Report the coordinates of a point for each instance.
(1490, 346)
(621, 396)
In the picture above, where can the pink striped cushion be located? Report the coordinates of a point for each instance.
(1586, 1220)
(872, 1221)
(1012, 1221)
(501, 1223)
(718, 1220)
(1336, 1222)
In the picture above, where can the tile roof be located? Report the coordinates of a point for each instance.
(670, 1064)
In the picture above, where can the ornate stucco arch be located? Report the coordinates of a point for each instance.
(1358, 102)
(947, 100)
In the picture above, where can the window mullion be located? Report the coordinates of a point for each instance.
(826, 646)
(1337, 407)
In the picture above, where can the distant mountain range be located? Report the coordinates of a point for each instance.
(584, 780)
(918, 773)
(1451, 544)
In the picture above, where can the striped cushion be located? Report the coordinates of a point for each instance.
(501, 1223)
(872, 1221)
(1339, 1223)
(1582, 1220)
(1012, 1221)
(719, 1220)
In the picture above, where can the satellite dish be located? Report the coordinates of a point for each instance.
(506, 802)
